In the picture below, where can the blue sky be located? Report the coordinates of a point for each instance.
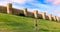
(49, 6)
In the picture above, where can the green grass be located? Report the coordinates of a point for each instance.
(13, 23)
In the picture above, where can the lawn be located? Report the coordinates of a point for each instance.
(13, 23)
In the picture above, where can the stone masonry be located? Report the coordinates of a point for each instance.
(44, 15)
(25, 11)
(36, 13)
(9, 8)
(50, 16)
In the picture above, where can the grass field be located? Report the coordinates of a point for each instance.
(13, 23)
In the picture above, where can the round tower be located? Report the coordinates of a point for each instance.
(36, 13)
(50, 16)
(9, 8)
(44, 15)
(25, 11)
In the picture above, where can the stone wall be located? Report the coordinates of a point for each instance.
(10, 10)
(44, 15)
(50, 16)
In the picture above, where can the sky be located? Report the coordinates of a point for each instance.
(48, 6)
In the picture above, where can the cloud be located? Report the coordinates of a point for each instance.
(57, 12)
(16, 1)
(21, 1)
(33, 4)
(4, 2)
(54, 2)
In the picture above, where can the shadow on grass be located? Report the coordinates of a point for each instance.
(42, 29)
(12, 23)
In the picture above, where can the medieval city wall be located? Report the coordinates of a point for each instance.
(10, 10)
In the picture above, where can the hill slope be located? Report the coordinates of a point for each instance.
(13, 23)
